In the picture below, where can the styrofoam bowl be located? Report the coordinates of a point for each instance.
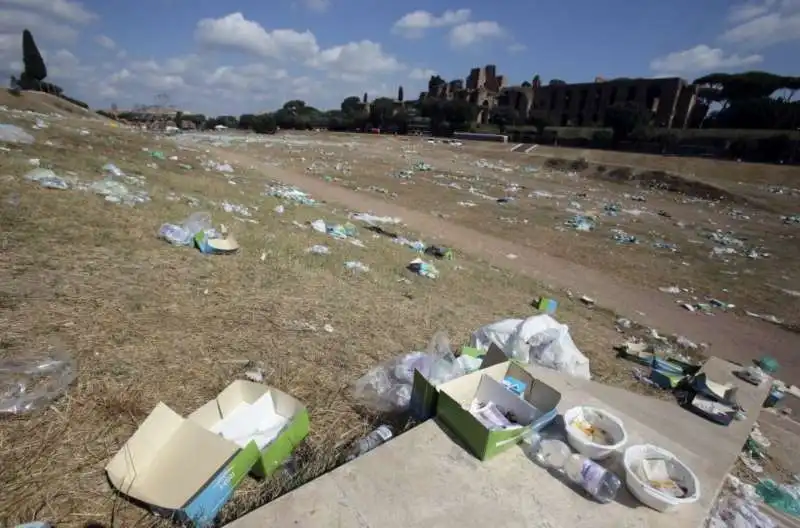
(602, 419)
(650, 496)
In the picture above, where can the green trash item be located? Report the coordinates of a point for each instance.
(778, 497)
(768, 364)
(157, 154)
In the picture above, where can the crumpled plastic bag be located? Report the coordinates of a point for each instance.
(539, 339)
(31, 383)
(387, 387)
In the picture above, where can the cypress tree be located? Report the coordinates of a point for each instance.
(34, 63)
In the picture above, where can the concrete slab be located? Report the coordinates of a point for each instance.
(424, 478)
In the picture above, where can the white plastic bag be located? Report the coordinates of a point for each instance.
(539, 339)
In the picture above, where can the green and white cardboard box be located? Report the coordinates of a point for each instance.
(179, 469)
(534, 409)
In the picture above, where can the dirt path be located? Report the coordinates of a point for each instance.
(736, 338)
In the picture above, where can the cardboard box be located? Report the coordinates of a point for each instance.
(182, 469)
(275, 449)
(534, 410)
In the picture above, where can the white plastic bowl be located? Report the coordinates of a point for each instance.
(602, 419)
(650, 496)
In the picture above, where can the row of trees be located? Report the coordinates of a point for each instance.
(354, 114)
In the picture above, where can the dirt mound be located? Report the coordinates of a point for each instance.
(576, 165)
(670, 182)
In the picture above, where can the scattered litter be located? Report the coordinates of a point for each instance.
(118, 193)
(587, 300)
(424, 269)
(328, 328)
(621, 237)
(371, 441)
(356, 266)
(47, 179)
(670, 289)
(441, 252)
(279, 209)
(373, 220)
(256, 375)
(318, 250)
(770, 318)
(30, 383)
(236, 208)
(511, 256)
(14, 134)
(290, 193)
(581, 223)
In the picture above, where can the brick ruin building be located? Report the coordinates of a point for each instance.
(672, 101)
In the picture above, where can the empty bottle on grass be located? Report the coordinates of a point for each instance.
(370, 442)
(593, 478)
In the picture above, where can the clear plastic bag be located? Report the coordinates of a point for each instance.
(387, 387)
(29, 384)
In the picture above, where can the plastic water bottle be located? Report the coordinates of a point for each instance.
(597, 481)
(371, 441)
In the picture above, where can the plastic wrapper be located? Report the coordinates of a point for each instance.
(31, 383)
(387, 387)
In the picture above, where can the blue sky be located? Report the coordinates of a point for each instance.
(251, 56)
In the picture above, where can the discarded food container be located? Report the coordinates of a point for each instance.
(488, 417)
(593, 432)
(186, 469)
(658, 478)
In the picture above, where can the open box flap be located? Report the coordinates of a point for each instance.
(168, 459)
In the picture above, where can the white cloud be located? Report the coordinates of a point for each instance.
(106, 42)
(517, 48)
(71, 12)
(470, 33)
(317, 6)
(356, 58)
(414, 24)
(12, 22)
(421, 74)
(234, 31)
(758, 25)
(700, 58)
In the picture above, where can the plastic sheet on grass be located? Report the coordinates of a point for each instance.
(31, 383)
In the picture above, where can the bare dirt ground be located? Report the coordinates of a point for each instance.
(149, 322)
